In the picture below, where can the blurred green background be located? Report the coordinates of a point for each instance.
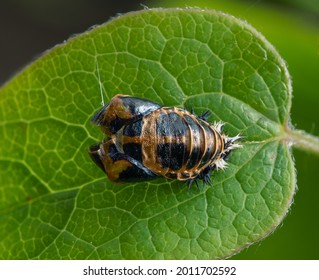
(28, 28)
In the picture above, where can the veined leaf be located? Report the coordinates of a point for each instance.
(55, 203)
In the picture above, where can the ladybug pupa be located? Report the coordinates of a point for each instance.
(145, 141)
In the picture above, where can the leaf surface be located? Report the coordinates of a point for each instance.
(56, 204)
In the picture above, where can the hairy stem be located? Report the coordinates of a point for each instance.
(303, 140)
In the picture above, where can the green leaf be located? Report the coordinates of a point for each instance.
(55, 203)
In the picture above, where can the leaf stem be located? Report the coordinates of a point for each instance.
(303, 140)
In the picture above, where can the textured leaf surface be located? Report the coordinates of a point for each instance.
(55, 203)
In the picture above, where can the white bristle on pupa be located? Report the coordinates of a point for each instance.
(219, 126)
(230, 142)
(220, 164)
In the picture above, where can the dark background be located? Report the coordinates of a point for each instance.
(30, 27)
